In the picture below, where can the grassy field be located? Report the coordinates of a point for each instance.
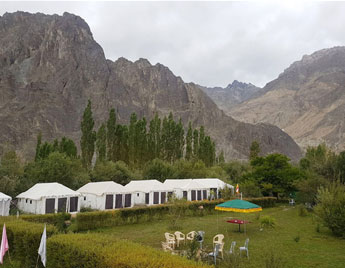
(294, 241)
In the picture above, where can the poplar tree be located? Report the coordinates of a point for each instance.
(111, 135)
(195, 143)
(189, 141)
(132, 139)
(88, 137)
(38, 146)
(154, 138)
(101, 143)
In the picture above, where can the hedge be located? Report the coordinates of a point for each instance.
(96, 250)
(47, 218)
(101, 219)
(24, 239)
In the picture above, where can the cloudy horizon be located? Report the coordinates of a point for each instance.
(208, 43)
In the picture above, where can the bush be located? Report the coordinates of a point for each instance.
(302, 211)
(330, 207)
(264, 202)
(54, 219)
(267, 222)
(24, 239)
(96, 250)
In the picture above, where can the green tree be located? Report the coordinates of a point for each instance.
(38, 146)
(88, 137)
(154, 139)
(132, 139)
(189, 142)
(101, 143)
(254, 150)
(11, 171)
(196, 143)
(68, 147)
(111, 136)
(158, 170)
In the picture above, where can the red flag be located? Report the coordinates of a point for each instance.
(237, 189)
(4, 245)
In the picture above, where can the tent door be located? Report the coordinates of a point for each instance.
(204, 194)
(185, 195)
(118, 201)
(73, 204)
(199, 195)
(156, 198)
(147, 198)
(193, 195)
(170, 195)
(50, 205)
(109, 201)
(62, 202)
(163, 197)
(128, 200)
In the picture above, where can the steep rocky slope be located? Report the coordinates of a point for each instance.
(50, 66)
(232, 95)
(307, 100)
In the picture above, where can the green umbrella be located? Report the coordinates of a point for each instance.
(238, 205)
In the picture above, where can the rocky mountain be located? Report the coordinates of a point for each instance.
(232, 95)
(307, 100)
(50, 66)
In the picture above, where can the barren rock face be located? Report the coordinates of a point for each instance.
(50, 66)
(307, 100)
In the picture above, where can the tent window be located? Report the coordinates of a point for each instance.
(118, 201)
(26, 200)
(84, 198)
(156, 198)
(128, 200)
(50, 205)
(193, 195)
(62, 203)
(163, 197)
(199, 195)
(30, 201)
(138, 194)
(109, 201)
(73, 204)
(147, 198)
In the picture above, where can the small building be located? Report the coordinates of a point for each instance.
(105, 195)
(5, 202)
(148, 192)
(44, 198)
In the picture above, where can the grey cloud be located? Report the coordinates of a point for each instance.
(209, 43)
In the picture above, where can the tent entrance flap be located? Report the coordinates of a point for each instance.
(50, 205)
(73, 204)
(147, 198)
(128, 200)
(156, 198)
(62, 202)
(193, 195)
(109, 201)
(118, 201)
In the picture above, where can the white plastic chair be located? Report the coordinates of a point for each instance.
(201, 235)
(170, 239)
(190, 236)
(245, 248)
(180, 237)
(218, 239)
(232, 247)
(215, 253)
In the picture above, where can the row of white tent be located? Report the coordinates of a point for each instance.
(45, 198)
(5, 202)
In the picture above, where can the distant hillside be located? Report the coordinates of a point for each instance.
(307, 100)
(51, 65)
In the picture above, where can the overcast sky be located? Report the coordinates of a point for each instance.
(208, 43)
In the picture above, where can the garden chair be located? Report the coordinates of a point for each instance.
(180, 237)
(191, 235)
(291, 202)
(215, 253)
(221, 246)
(170, 239)
(232, 247)
(245, 248)
(167, 248)
(200, 237)
(218, 239)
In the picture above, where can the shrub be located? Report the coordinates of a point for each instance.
(53, 219)
(302, 211)
(330, 207)
(24, 239)
(267, 222)
(264, 202)
(297, 238)
(96, 250)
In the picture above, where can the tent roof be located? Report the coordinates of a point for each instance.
(146, 186)
(213, 183)
(238, 205)
(4, 196)
(177, 183)
(101, 187)
(194, 185)
(52, 189)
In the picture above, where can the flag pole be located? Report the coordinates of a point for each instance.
(38, 255)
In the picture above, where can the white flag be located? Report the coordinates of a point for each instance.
(42, 250)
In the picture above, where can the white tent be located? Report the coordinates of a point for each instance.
(215, 185)
(43, 198)
(105, 195)
(5, 202)
(148, 192)
(188, 189)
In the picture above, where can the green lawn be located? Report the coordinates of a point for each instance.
(314, 249)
